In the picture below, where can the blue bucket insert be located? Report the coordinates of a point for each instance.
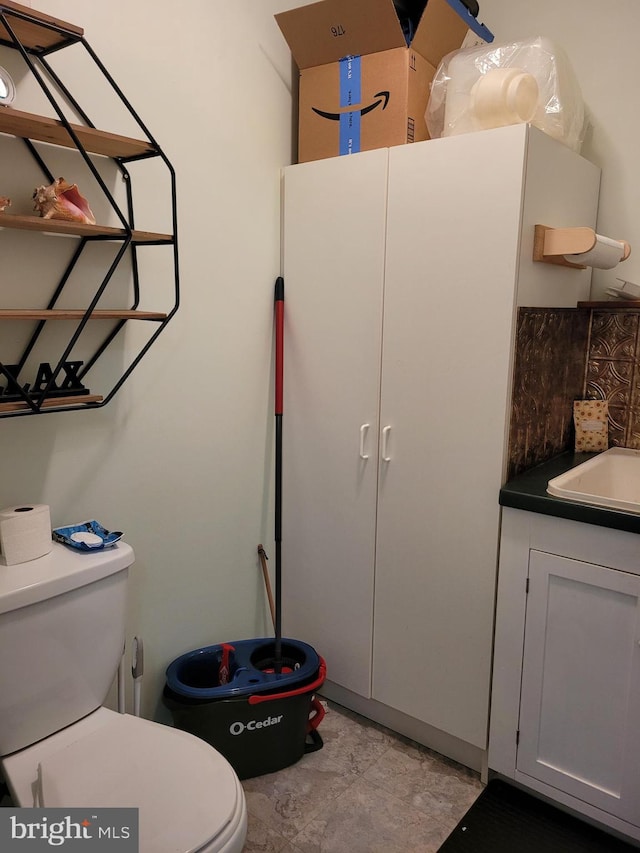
(196, 674)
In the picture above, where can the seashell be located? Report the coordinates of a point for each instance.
(4, 202)
(61, 200)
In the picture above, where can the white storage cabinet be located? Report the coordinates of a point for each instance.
(403, 271)
(564, 719)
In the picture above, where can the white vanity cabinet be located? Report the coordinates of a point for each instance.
(566, 698)
(403, 271)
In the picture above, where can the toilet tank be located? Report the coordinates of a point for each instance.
(62, 630)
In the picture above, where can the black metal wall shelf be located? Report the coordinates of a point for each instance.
(35, 35)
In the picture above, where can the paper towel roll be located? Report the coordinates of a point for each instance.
(605, 255)
(25, 533)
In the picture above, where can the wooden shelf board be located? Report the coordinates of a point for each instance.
(77, 229)
(613, 305)
(43, 129)
(21, 406)
(78, 314)
(33, 32)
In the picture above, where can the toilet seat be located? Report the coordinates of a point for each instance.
(188, 796)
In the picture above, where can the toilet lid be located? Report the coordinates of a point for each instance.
(186, 792)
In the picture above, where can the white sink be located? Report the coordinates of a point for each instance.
(611, 478)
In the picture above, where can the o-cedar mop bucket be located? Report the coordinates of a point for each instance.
(253, 700)
(260, 720)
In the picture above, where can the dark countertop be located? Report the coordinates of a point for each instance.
(528, 491)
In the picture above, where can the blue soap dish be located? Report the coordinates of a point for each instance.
(86, 536)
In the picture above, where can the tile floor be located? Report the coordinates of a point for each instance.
(367, 791)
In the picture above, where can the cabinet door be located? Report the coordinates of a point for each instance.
(580, 702)
(452, 255)
(334, 239)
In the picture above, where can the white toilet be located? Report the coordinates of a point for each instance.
(62, 634)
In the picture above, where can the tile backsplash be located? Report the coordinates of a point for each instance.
(567, 354)
(613, 372)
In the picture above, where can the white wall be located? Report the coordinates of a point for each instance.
(181, 459)
(600, 40)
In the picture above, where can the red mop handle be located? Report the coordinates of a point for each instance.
(279, 308)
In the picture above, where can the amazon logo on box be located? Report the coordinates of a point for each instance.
(351, 112)
(363, 102)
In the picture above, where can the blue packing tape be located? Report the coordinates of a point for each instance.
(473, 24)
(350, 95)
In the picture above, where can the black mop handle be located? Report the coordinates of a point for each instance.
(279, 312)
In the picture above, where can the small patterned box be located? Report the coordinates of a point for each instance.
(591, 419)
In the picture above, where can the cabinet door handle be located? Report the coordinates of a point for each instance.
(385, 444)
(364, 429)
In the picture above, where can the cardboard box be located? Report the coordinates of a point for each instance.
(361, 86)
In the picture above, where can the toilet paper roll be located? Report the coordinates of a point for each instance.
(605, 255)
(25, 533)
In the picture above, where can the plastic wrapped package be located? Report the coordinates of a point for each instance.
(501, 84)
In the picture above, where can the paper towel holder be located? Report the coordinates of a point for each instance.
(550, 245)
